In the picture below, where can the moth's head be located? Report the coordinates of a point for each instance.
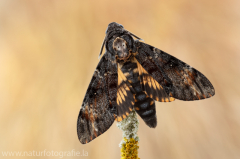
(121, 49)
(114, 27)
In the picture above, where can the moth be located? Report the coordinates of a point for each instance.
(132, 75)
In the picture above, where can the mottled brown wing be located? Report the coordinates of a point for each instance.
(153, 89)
(178, 79)
(125, 99)
(99, 104)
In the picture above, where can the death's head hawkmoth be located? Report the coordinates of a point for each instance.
(132, 75)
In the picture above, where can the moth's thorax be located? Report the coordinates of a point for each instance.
(121, 50)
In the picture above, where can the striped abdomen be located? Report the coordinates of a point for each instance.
(144, 105)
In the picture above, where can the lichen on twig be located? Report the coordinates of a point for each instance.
(129, 144)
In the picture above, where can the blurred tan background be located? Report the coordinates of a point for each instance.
(49, 50)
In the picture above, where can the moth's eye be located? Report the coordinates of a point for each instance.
(123, 45)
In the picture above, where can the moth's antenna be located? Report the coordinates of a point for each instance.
(135, 36)
(102, 48)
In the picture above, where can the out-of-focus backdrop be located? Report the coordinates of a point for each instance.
(49, 50)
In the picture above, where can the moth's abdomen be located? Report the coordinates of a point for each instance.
(145, 107)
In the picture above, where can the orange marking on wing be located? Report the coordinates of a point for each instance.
(189, 81)
(130, 109)
(172, 99)
(119, 79)
(151, 103)
(149, 82)
(124, 92)
(126, 88)
(126, 74)
(209, 94)
(177, 72)
(166, 100)
(144, 80)
(86, 113)
(146, 95)
(144, 71)
(198, 96)
(91, 117)
(127, 113)
(124, 116)
(162, 100)
(122, 96)
(191, 75)
(119, 99)
(132, 102)
(136, 108)
(95, 116)
(119, 118)
(95, 103)
(153, 83)
(158, 85)
(95, 133)
(135, 70)
(151, 96)
(165, 81)
(121, 76)
(204, 96)
(135, 53)
(140, 72)
(157, 99)
(139, 69)
(130, 87)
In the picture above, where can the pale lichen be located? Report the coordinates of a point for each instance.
(129, 144)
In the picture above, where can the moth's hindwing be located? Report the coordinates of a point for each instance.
(178, 79)
(97, 111)
(125, 99)
(153, 89)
